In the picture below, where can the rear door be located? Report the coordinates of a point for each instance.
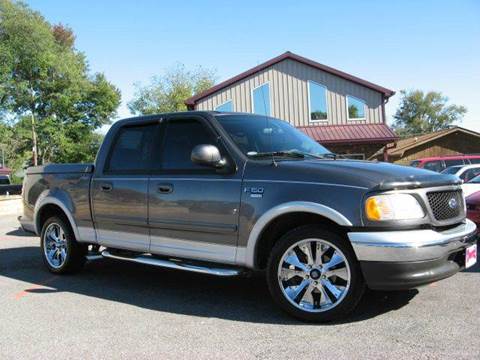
(193, 210)
(120, 193)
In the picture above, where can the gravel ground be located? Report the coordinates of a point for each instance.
(124, 310)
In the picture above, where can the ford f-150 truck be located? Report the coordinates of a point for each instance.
(227, 193)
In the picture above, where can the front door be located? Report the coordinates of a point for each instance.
(120, 194)
(193, 210)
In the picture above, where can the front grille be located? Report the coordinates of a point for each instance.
(446, 204)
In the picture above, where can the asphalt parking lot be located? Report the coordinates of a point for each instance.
(123, 310)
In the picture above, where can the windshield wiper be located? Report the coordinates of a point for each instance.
(319, 156)
(293, 154)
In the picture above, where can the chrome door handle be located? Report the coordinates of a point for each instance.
(165, 188)
(106, 187)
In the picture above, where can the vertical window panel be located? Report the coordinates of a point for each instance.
(317, 101)
(261, 100)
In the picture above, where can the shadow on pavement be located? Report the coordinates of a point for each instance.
(237, 299)
(20, 232)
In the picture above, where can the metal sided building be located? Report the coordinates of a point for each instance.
(339, 110)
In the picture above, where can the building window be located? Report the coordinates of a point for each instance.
(317, 101)
(225, 107)
(261, 100)
(356, 108)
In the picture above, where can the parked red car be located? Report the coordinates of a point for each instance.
(473, 207)
(440, 163)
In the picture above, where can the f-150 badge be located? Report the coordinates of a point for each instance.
(255, 192)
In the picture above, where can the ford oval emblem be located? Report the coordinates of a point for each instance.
(452, 203)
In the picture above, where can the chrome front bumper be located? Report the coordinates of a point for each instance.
(411, 245)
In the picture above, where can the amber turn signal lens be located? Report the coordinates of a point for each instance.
(372, 209)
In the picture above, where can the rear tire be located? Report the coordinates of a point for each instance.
(310, 287)
(61, 252)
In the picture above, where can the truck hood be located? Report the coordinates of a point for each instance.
(368, 174)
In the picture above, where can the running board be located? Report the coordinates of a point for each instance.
(178, 265)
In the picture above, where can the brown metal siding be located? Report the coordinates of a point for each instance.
(289, 94)
(452, 144)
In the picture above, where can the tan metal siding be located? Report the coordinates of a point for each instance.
(289, 95)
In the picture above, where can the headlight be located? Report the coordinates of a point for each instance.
(393, 207)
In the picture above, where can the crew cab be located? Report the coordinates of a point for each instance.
(230, 193)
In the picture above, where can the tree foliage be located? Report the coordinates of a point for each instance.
(167, 93)
(52, 102)
(420, 113)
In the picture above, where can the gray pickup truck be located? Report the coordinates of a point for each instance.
(228, 193)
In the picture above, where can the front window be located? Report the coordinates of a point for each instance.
(225, 107)
(318, 101)
(181, 136)
(356, 108)
(256, 135)
(261, 100)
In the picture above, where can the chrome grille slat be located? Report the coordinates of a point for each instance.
(440, 201)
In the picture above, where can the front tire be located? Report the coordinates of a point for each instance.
(313, 274)
(61, 252)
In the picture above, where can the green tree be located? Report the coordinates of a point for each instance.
(167, 93)
(420, 113)
(45, 79)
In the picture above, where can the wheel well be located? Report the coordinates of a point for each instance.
(281, 225)
(46, 212)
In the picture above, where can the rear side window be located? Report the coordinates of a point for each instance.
(453, 162)
(434, 165)
(181, 137)
(131, 150)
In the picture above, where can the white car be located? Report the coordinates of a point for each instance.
(464, 172)
(472, 186)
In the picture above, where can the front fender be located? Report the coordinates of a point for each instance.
(247, 256)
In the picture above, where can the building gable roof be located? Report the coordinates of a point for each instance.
(190, 102)
(414, 141)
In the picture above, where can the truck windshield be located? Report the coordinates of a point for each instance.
(257, 136)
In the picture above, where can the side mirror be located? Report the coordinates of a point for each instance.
(207, 155)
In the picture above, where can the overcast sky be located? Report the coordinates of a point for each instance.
(428, 45)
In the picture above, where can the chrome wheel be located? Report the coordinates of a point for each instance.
(55, 245)
(314, 275)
